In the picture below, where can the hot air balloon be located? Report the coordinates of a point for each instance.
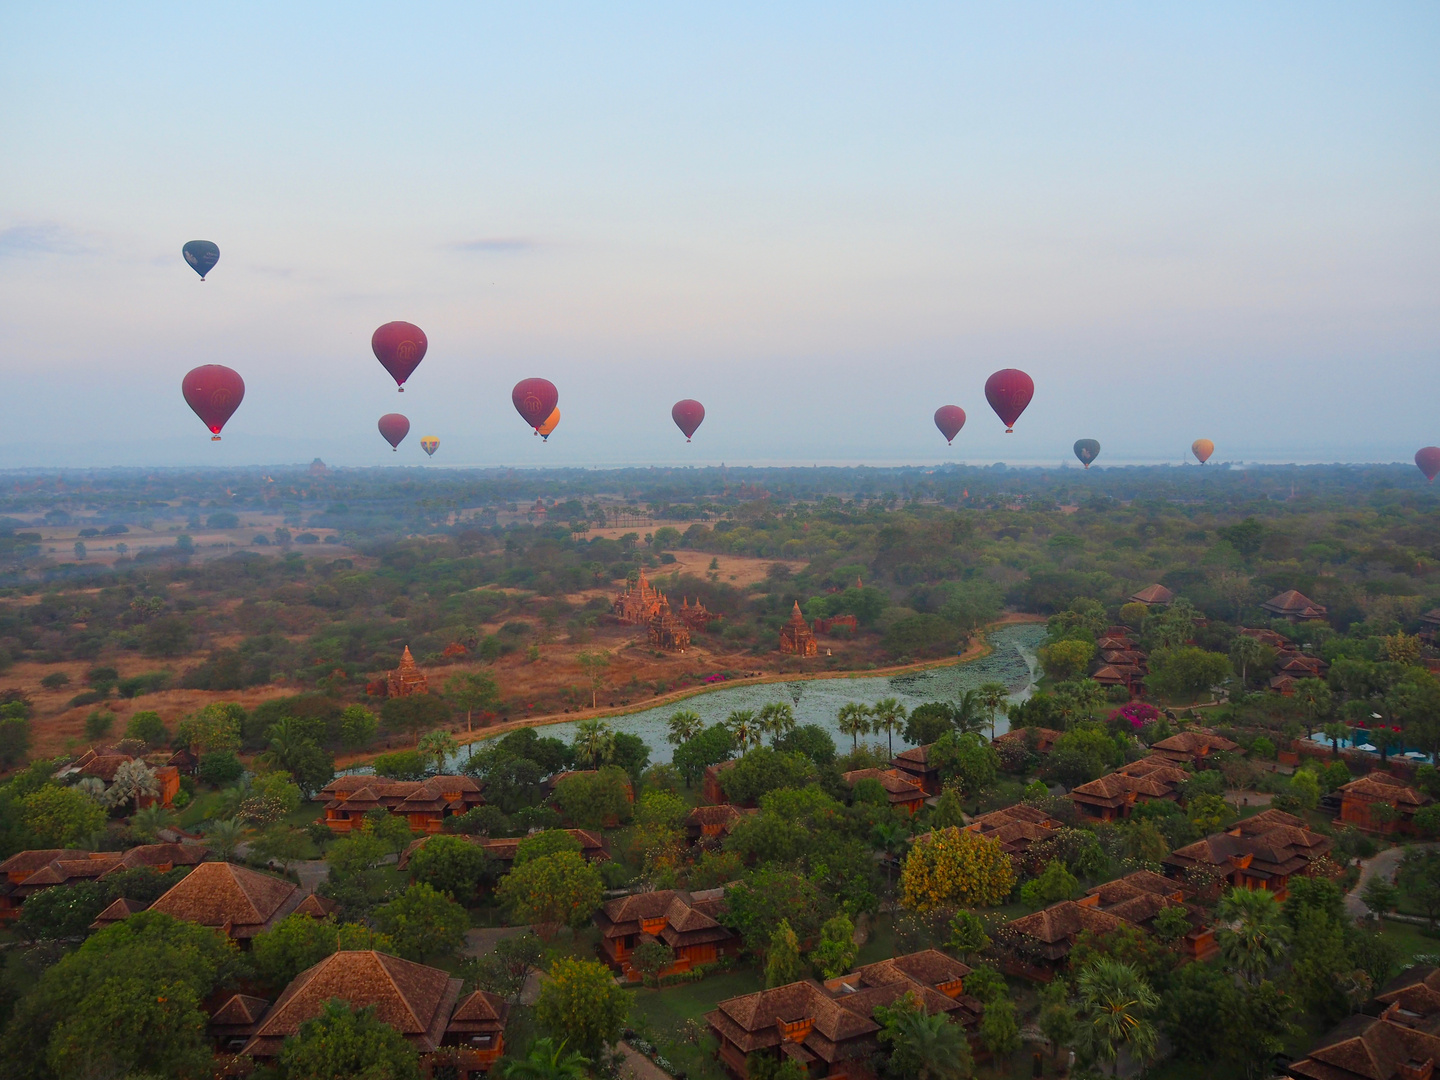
(394, 427)
(202, 256)
(1202, 449)
(399, 346)
(548, 426)
(430, 444)
(535, 400)
(1428, 460)
(949, 419)
(1008, 392)
(1087, 450)
(214, 392)
(688, 415)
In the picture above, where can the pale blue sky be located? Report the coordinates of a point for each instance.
(823, 221)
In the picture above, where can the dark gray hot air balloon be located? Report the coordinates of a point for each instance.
(202, 256)
(1087, 450)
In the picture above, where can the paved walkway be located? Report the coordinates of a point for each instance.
(636, 1066)
(1384, 864)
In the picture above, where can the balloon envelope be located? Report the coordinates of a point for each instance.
(535, 400)
(202, 256)
(548, 426)
(949, 419)
(1428, 460)
(1087, 450)
(688, 415)
(430, 444)
(394, 427)
(1202, 449)
(399, 346)
(1008, 392)
(214, 392)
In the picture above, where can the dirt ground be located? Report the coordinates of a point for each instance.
(57, 542)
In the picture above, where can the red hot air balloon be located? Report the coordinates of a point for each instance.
(949, 419)
(399, 346)
(688, 416)
(394, 427)
(214, 392)
(1008, 392)
(535, 400)
(1428, 460)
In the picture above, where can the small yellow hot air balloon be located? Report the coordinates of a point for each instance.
(1202, 449)
(430, 444)
(548, 426)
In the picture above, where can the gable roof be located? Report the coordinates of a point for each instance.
(317, 907)
(1062, 921)
(1195, 741)
(1386, 788)
(414, 999)
(478, 1013)
(27, 862)
(1153, 594)
(240, 1010)
(898, 788)
(220, 894)
(1369, 1048)
(115, 911)
(1292, 602)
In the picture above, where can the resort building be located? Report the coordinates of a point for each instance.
(28, 872)
(1295, 606)
(1016, 828)
(240, 902)
(425, 804)
(1153, 596)
(830, 1030)
(1361, 800)
(1260, 852)
(915, 765)
(901, 792)
(1193, 747)
(1112, 796)
(684, 921)
(711, 824)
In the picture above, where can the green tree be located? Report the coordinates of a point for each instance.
(1306, 787)
(1186, 671)
(437, 745)
(759, 902)
(61, 817)
(776, 719)
(358, 726)
(214, 728)
(506, 968)
(342, 1042)
(765, 770)
(281, 844)
(683, 726)
(782, 957)
(415, 714)
(1247, 654)
(1419, 880)
(1115, 1008)
(1252, 936)
(921, 1045)
(1054, 884)
(835, 952)
(452, 865)
(889, 717)
(594, 743)
(712, 746)
(744, 729)
(650, 958)
(992, 697)
(1171, 923)
(581, 1003)
(423, 924)
(548, 842)
(966, 760)
(1066, 659)
(998, 1029)
(547, 1060)
(1057, 1020)
(967, 934)
(133, 781)
(596, 801)
(472, 691)
(1314, 700)
(148, 728)
(594, 665)
(552, 891)
(854, 720)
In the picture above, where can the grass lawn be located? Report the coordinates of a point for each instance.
(674, 1018)
(1409, 939)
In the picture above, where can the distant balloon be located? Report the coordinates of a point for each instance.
(394, 427)
(1087, 450)
(202, 256)
(1008, 392)
(688, 416)
(548, 426)
(1202, 449)
(214, 392)
(949, 419)
(1428, 459)
(535, 400)
(430, 444)
(399, 346)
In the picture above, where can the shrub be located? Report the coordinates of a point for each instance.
(219, 767)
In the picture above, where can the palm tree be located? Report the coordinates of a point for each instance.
(930, 1044)
(1114, 1003)
(439, 745)
(993, 696)
(133, 780)
(1252, 937)
(744, 729)
(148, 822)
(287, 740)
(777, 719)
(889, 718)
(967, 713)
(547, 1061)
(854, 720)
(1335, 731)
(684, 726)
(224, 836)
(890, 839)
(1315, 701)
(594, 742)
(1245, 653)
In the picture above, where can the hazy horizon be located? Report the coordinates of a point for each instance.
(823, 222)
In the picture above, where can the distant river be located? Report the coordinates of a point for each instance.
(817, 701)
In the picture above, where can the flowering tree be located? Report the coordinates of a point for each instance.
(955, 868)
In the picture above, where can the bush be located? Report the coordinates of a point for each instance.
(219, 767)
(55, 680)
(148, 728)
(401, 765)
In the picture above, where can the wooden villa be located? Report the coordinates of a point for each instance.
(915, 764)
(1193, 747)
(685, 921)
(901, 792)
(238, 901)
(1017, 828)
(1360, 798)
(1295, 606)
(1260, 852)
(425, 804)
(830, 1030)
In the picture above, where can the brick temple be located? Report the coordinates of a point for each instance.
(406, 679)
(796, 637)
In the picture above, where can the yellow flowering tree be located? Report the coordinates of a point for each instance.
(954, 868)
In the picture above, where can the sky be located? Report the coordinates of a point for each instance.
(823, 221)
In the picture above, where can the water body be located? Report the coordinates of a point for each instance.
(1012, 660)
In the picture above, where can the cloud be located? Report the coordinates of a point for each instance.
(502, 244)
(48, 239)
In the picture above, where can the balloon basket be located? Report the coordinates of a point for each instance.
(214, 438)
